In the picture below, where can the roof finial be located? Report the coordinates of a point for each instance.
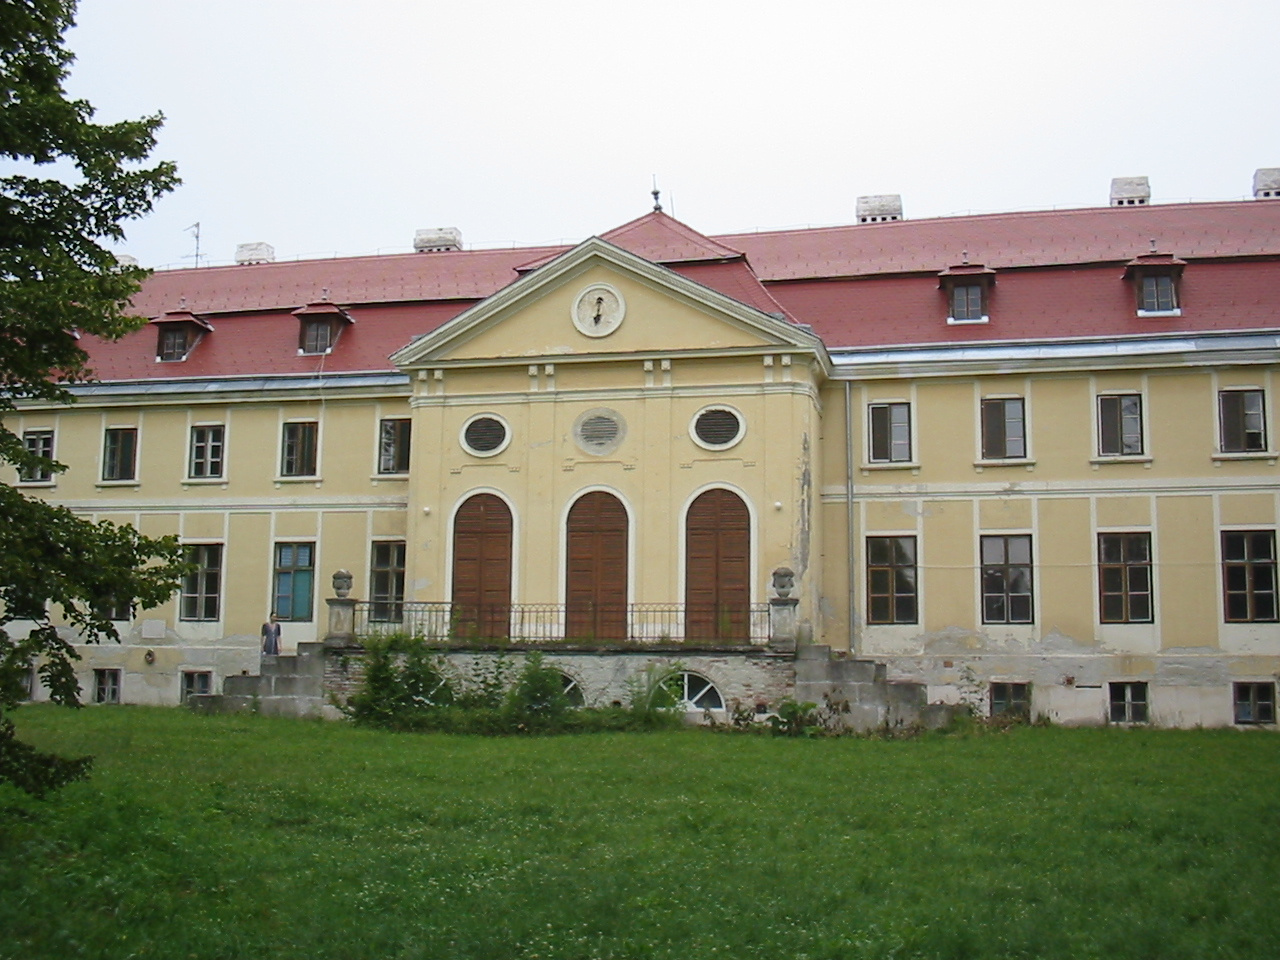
(324, 293)
(1153, 244)
(964, 257)
(657, 204)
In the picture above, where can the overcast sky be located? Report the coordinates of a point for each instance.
(337, 127)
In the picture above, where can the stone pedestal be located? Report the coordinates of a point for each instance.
(782, 623)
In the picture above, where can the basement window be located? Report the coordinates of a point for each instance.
(1128, 702)
(1011, 700)
(106, 686)
(196, 683)
(1255, 703)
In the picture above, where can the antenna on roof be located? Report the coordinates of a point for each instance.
(657, 204)
(196, 227)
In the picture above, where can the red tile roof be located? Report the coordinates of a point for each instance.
(861, 285)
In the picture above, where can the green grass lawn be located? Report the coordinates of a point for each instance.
(221, 837)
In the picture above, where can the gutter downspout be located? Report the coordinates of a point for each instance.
(848, 510)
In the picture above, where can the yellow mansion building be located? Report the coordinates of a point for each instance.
(1025, 461)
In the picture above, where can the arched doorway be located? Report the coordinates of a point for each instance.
(717, 594)
(482, 568)
(596, 568)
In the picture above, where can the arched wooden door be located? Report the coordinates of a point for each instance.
(717, 594)
(596, 568)
(482, 568)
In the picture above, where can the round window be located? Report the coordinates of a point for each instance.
(599, 431)
(692, 691)
(717, 428)
(485, 436)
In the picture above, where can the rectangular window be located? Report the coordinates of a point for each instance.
(118, 610)
(119, 453)
(298, 450)
(317, 336)
(196, 683)
(1249, 576)
(1243, 427)
(387, 581)
(1003, 429)
(294, 578)
(966, 302)
(890, 432)
(27, 683)
(1006, 579)
(1120, 425)
(1124, 577)
(891, 580)
(201, 586)
(38, 443)
(1011, 700)
(1129, 702)
(106, 686)
(1255, 702)
(206, 452)
(393, 446)
(173, 342)
(1159, 293)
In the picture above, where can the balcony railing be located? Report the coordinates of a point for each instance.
(638, 624)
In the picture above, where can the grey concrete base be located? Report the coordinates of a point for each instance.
(290, 686)
(859, 693)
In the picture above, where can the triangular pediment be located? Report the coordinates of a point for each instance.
(541, 315)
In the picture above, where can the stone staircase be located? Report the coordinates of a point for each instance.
(873, 700)
(287, 686)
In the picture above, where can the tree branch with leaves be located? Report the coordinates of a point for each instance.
(61, 573)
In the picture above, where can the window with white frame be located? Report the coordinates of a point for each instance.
(1006, 579)
(38, 443)
(1242, 421)
(1004, 428)
(298, 448)
(1249, 576)
(202, 584)
(1255, 703)
(1124, 578)
(393, 445)
(1120, 425)
(120, 453)
(891, 580)
(204, 461)
(386, 581)
(889, 431)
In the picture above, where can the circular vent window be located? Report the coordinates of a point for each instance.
(485, 436)
(599, 431)
(717, 428)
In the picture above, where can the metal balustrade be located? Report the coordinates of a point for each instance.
(640, 624)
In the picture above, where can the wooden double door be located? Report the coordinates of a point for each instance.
(717, 568)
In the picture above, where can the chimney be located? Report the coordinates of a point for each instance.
(437, 240)
(1130, 192)
(880, 208)
(255, 253)
(1266, 183)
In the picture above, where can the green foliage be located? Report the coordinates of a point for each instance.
(220, 838)
(58, 283)
(407, 687)
(792, 719)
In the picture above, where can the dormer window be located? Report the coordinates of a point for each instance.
(1156, 279)
(320, 324)
(317, 336)
(968, 288)
(179, 332)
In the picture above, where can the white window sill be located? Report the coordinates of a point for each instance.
(203, 481)
(1159, 314)
(1269, 455)
(36, 483)
(953, 322)
(1019, 462)
(389, 476)
(118, 483)
(891, 465)
(1121, 458)
(307, 479)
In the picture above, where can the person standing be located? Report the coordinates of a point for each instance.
(271, 637)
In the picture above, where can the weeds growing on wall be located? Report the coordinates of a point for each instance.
(407, 686)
